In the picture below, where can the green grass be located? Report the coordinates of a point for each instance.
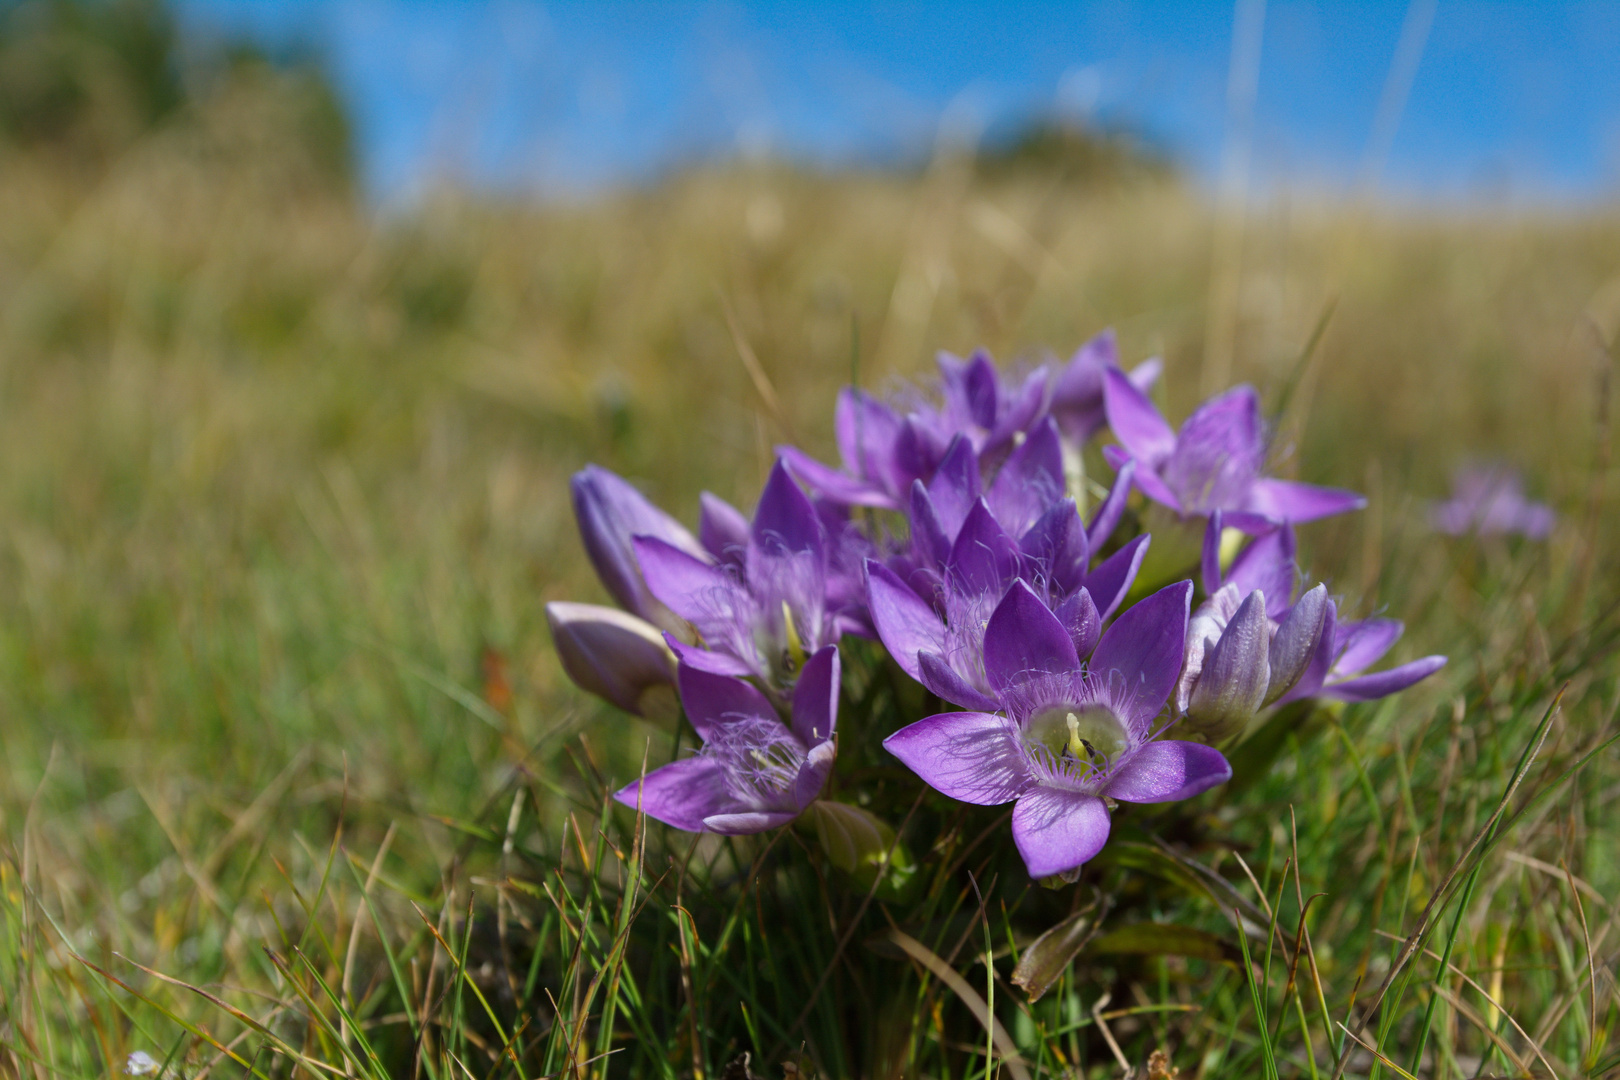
(289, 781)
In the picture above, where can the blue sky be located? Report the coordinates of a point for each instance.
(1507, 99)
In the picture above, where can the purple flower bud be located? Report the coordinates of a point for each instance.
(1235, 672)
(616, 656)
(611, 514)
(1295, 641)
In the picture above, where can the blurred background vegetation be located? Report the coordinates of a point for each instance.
(283, 480)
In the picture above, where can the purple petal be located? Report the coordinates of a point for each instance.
(1235, 673)
(929, 540)
(973, 757)
(1024, 410)
(829, 483)
(813, 774)
(1024, 637)
(815, 697)
(687, 585)
(1081, 619)
(1296, 641)
(1267, 564)
(786, 519)
(947, 684)
(906, 623)
(1145, 478)
(1145, 374)
(1210, 556)
(955, 486)
(1106, 519)
(1058, 830)
(1077, 391)
(1135, 421)
(609, 512)
(979, 385)
(1287, 500)
(1056, 548)
(1113, 577)
(867, 432)
(1030, 480)
(681, 793)
(1218, 454)
(1360, 645)
(747, 822)
(712, 700)
(1384, 683)
(984, 557)
(1145, 646)
(1167, 770)
(722, 528)
(1316, 673)
(703, 660)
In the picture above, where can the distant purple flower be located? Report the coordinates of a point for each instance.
(754, 772)
(1489, 500)
(757, 598)
(882, 451)
(1346, 649)
(1066, 737)
(1251, 641)
(933, 621)
(1077, 392)
(1213, 463)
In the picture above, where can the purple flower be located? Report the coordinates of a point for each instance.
(1213, 463)
(882, 452)
(1251, 641)
(1489, 500)
(610, 514)
(1065, 738)
(1346, 649)
(933, 621)
(1077, 392)
(757, 599)
(615, 656)
(754, 772)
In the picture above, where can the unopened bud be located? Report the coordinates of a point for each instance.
(1235, 674)
(617, 657)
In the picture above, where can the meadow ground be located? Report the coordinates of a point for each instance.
(283, 489)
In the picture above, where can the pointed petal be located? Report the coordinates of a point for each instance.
(984, 558)
(947, 684)
(930, 542)
(815, 697)
(1114, 576)
(868, 432)
(1287, 500)
(1077, 391)
(1023, 638)
(1106, 519)
(722, 528)
(681, 793)
(829, 483)
(972, 757)
(704, 660)
(1267, 564)
(786, 519)
(1145, 646)
(609, 512)
(906, 623)
(1166, 770)
(1360, 645)
(980, 389)
(1218, 454)
(1029, 481)
(1058, 830)
(1210, 556)
(691, 588)
(1295, 642)
(1081, 619)
(712, 701)
(1135, 421)
(1235, 674)
(1146, 479)
(956, 485)
(1384, 683)
(1145, 374)
(1056, 549)
(1316, 672)
(610, 653)
(1026, 408)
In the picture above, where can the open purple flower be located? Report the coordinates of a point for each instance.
(933, 622)
(979, 404)
(1346, 649)
(757, 600)
(1064, 737)
(1489, 500)
(882, 453)
(1077, 392)
(754, 772)
(1213, 463)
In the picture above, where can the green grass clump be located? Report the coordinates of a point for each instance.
(290, 781)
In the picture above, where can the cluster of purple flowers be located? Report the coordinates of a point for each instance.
(989, 584)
